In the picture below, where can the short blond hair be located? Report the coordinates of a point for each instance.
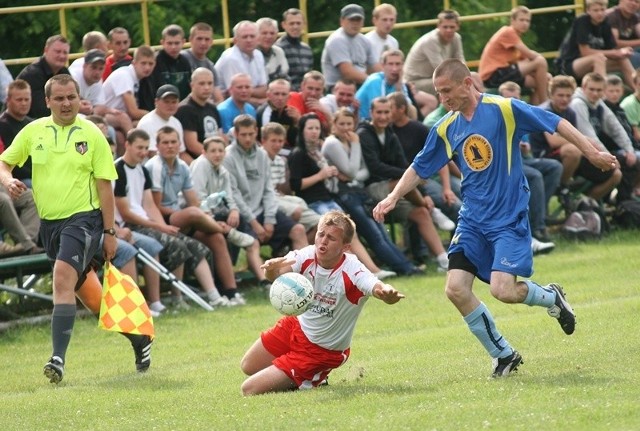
(272, 128)
(508, 86)
(519, 10)
(313, 75)
(455, 69)
(382, 8)
(391, 53)
(449, 14)
(592, 77)
(340, 220)
(562, 81)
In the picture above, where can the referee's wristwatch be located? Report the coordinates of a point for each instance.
(110, 231)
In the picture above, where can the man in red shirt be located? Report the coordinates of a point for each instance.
(119, 44)
(308, 98)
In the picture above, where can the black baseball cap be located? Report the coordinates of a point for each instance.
(94, 55)
(167, 90)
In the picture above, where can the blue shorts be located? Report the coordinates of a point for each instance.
(281, 230)
(126, 251)
(506, 249)
(148, 244)
(323, 207)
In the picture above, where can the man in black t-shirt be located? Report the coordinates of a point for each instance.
(276, 110)
(591, 47)
(199, 117)
(13, 120)
(52, 62)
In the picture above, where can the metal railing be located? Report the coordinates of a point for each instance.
(226, 40)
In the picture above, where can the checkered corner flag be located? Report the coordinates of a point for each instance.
(123, 307)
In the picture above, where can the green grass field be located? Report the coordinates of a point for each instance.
(414, 365)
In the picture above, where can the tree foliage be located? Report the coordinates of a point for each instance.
(24, 34)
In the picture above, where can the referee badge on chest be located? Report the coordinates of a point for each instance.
(477, 152)
(82, 147)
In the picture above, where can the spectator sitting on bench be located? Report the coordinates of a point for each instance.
(543, 176)
(135, 207)
(554, 146)
(20, 220)
(598, 123)
(209, 178)
(506, 58)
(13, 119)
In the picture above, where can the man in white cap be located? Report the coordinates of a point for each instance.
(347, 54)
(93, 101)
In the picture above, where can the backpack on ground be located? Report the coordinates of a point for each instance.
(627, 214)
(583, 225)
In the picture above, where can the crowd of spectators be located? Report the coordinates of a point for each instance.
(218, 157)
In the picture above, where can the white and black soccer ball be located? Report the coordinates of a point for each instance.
(291, 294)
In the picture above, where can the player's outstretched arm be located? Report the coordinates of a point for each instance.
(274, 267)
(601, 159)
(408, 182)
(386, 293)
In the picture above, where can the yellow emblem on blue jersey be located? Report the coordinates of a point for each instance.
(477, 152)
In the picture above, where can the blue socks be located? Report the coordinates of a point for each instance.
(481, 324)
(538, 295)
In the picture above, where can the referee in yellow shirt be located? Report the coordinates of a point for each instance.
(72, 173)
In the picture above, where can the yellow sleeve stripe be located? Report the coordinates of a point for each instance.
(442, 132)
(509, 121)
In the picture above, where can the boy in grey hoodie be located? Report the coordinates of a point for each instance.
(256, 199)
(597, 122)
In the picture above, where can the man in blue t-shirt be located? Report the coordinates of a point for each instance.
(492, 241)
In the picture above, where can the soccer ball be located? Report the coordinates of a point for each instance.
(291, 294)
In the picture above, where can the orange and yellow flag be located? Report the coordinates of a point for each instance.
(123, 307)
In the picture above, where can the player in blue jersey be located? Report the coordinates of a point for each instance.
(492, 241)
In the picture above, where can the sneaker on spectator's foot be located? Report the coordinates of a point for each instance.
(443, 263)
(222, 301)
(382, 274)
(415, 271)
(541, 235)
(441, 221)
(240, 239)
(265, 284)
(142, 350)
(237, 299)
(561, 310)
(8, 250)
(35, 250)
(281, 251)
(54, 369)
(157, 307)
(505, 366)
(181, 305)
(539, 247)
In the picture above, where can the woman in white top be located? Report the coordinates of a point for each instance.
(342, 150)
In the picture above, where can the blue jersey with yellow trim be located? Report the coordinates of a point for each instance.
(486, 150)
